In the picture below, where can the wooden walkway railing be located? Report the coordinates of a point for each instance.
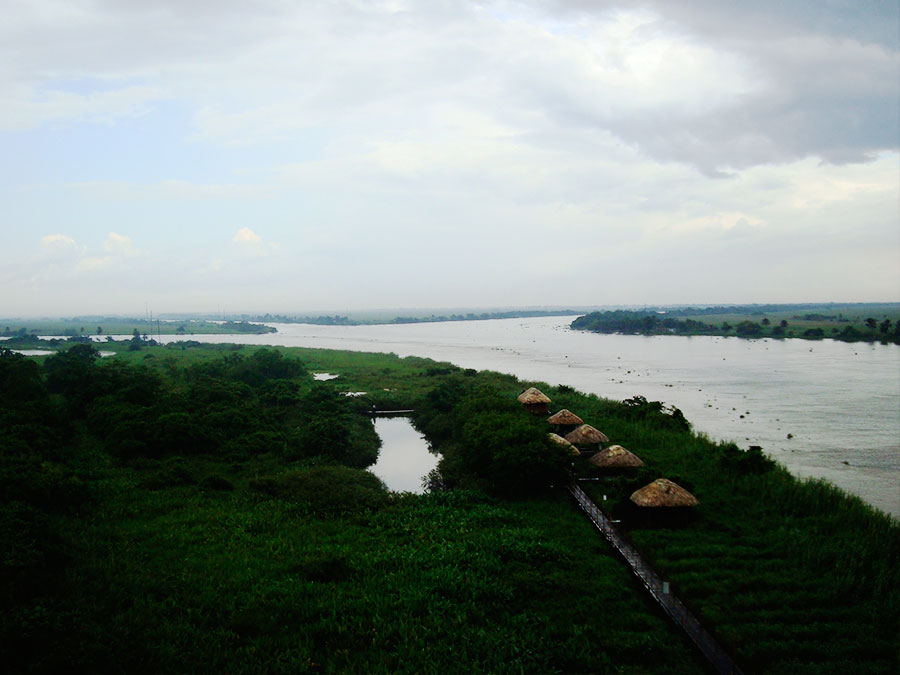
(714, 652)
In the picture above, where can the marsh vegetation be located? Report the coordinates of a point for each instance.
(188, 508)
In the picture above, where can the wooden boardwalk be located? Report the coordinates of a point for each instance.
(715, 653)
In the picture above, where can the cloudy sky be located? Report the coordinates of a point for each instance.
(197, 155)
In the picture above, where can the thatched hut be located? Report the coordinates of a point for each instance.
(615, 457)
(564, 421)
(586, 435)
(565, 418)
(559, 440)
(662, 503)
(534, 400)
(663, 493)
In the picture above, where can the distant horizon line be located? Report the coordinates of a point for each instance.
(397, 311)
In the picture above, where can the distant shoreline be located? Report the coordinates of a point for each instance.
(338, 320)
(77, 327)
(862, 322)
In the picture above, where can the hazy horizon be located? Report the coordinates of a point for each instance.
(212, 157)
(392, 312)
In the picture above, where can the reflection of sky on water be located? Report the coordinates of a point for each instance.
(404, 458)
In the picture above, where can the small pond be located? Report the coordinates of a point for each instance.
(404, 458)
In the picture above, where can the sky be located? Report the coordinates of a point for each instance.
(281, 156)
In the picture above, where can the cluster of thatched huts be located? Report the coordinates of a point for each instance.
(583, 440)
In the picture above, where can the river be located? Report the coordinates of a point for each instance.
(840, 402)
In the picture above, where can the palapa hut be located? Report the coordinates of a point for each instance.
(565, 420)
(559, 440)
(565, 417)
(588, 436)
(663, 493)
(616, 458)
(662, 503)
(534, 401)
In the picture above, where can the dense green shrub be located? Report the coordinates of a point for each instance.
(748, 329)
(327, 489)
(655, 413)
(331, 427)
(750, 461)
(487, 439)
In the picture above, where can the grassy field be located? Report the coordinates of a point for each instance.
(247, 558)
(830, 319)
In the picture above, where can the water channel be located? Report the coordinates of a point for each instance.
(839, 402)
(405, 457)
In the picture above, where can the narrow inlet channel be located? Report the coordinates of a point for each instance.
(405, 458)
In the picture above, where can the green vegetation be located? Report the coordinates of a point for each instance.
(850, 323)
(486, 442)
(197, 507)
(97, 325)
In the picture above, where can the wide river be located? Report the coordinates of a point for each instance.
(839, 402)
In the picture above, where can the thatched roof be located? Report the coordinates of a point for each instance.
(616, 457)
(559, 440)
(531, 396)
(586, 435)
(663, 492)
(565, 417)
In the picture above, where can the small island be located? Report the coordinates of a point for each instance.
(859, 322)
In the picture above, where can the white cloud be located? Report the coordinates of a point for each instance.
(246, 236)
(117, 248)
(118, 245)
(59, 249)
(417, 137)
(58, 242)
(725, 86)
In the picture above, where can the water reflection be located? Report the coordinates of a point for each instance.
(404, 458)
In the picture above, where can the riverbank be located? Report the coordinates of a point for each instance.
(838, 401)
(826, 409)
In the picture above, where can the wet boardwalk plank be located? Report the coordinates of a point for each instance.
(715, 653)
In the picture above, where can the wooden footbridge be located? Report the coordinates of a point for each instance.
(715, 653)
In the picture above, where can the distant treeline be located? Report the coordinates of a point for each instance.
(667, 323)
(760, 310)
(336, 320)
(125, 326)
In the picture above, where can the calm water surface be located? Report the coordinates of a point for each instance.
(404, 458)
(840, 401)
